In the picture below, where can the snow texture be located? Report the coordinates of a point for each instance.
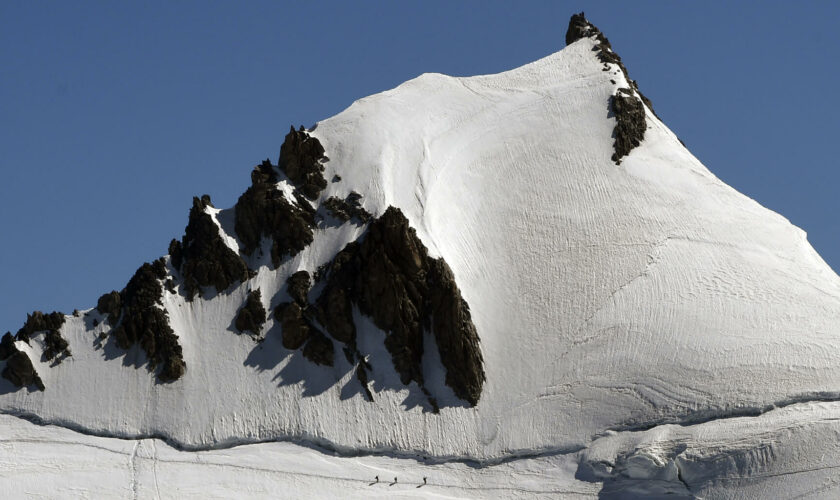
(608, 300)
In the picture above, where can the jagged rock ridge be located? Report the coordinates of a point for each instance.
(387, 273)
(626, 103)
(201, 256)
(301, 158)
(145, 322)
(263, 211)
(391, 278)
(50, 324)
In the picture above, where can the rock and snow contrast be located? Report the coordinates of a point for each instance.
(514, 285)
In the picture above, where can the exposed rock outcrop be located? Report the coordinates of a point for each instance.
(301, 158)
(294, 318)
(580, 27)
(202, 257)
(319, 349)
(455, 334)
(252, 315)
(392, 279)
(39, 322)
(334, 307)
(54, 344)
(626, 104)
(387, 274)
(298, 286)
(347, 209)
(145, 322)
(630, 123)
(295, 328)
(264, 211)
(7, 346)
(19, 369)
(111, 305)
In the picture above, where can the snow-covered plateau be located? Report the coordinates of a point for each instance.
(644, 328)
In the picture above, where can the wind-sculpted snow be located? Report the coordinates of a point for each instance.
(603, 296)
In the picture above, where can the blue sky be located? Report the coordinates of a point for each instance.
(115, 115)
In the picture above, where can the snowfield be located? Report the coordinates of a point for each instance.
(639, 323)
(787, 453)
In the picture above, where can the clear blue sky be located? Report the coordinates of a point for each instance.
(114, 114)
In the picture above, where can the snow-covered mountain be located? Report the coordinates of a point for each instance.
(527, 264)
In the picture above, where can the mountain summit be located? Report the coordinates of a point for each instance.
(475, 268)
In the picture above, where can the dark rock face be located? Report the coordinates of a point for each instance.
(298, 286)
(630, 123)
(143, 322)
(7, 346)
(387, 274)
(300, 159)
(334, 307)
(54, 343)
(391, 288)
(252, 315)
(295, 327)
(264, 211)
(176, 254)
(38, 322)
(294, 317)
(347, 209)
(19, 369)
(319, 349)
(457, 340)
(202, 257)
(295, 321)
(110, 304)
(580, 27)
(392, 279)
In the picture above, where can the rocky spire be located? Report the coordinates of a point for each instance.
(579, 28)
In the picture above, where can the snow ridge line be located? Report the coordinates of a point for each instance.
(317, 444)
(703, 417)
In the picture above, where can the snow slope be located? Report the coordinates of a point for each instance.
(787, 453)
(607, 297)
